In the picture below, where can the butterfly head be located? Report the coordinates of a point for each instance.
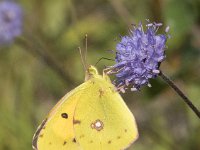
(91, 72)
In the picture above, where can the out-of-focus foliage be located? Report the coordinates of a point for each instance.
(30, 87)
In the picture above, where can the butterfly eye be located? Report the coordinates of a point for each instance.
(64, 115)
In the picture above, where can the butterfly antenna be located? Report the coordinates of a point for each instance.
(103, 58)
(86, 49)
(82, 58)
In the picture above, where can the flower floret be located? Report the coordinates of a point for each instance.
(138, 56)
(10, 21)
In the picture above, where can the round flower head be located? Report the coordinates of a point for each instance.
(10, 21)
(138, 56)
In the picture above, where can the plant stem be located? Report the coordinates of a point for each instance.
(180, 93)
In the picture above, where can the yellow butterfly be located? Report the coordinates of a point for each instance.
(93, 116)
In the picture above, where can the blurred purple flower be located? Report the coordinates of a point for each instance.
(138, 56)
(10, 21)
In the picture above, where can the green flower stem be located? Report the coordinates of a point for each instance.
(180, 93)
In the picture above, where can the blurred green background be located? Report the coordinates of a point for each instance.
(30, 86)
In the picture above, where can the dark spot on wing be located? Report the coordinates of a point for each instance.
(65, 142)
(50, 143)
(118, 137)
(125, 130)
(109, 142)
(76, 121)
(64, 115)
(74, 140)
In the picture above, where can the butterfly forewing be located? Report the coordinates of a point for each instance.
(56, 132)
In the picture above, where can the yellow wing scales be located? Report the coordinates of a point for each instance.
(108, 124)
(56, 131)
(92, 116)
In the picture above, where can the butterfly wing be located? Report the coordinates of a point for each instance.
(104, 122)
(56, 131)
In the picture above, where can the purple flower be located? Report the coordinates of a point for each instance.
(138, 56)
(10, 21)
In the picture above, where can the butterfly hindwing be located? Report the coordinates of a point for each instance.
(104, 120)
